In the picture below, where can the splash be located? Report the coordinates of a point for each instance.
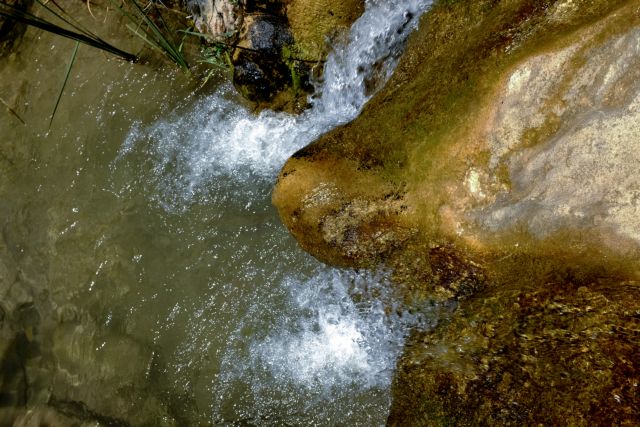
(329, 354)
(221, 138)
(280, 339)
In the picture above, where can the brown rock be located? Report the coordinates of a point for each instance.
(507, 139)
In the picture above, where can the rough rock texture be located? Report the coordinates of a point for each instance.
(514, 149)
(508, 142)
(278, 42)
(314, 23)
(578, 129)
(566, 355)
(221, 19)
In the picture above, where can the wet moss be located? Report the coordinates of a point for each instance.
(315, 23)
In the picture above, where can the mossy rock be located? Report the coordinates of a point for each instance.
(315, 22)
(427, 138)
(564, 355)
(281, 42)
(496, 170)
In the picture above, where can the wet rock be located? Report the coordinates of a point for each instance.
(260, 71)
(565, 355)
(13, 376)
(89, 361)
(45, 416)
(509, 135)
(315, 23)
(340, 220)
(518, 151)
(276, 42)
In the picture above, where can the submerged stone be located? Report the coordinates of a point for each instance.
(10, 30)
(564, 355)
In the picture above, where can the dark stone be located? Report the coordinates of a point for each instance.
(269, 34)
(260, 71)
(258, 78)
(13, 377)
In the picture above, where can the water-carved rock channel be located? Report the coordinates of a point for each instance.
(466, 169)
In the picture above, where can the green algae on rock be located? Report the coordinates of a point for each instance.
(314, 22)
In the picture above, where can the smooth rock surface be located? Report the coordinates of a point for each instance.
(508, 142)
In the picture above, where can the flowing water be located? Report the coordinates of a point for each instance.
(145, 272)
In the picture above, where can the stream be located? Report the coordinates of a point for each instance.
(143, 269)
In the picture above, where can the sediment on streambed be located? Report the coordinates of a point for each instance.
(496, 169)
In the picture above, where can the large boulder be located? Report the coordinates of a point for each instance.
(513, 135)
(498, 169)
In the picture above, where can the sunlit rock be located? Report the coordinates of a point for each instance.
(566, 128)
(533, 141)
(507, 141)
(314, 23)
(220, 19)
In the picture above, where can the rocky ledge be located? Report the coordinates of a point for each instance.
(497, 169)
(277, 44)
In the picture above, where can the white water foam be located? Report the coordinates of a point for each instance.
(219, 137)
(329, 355)
(333, 340)
(322, 346)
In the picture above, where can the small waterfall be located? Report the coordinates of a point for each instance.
(219, 137)
(298, 347)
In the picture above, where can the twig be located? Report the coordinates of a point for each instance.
(89, 9)
(12, 111)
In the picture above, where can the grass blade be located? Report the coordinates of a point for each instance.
(12, 111)
(12, 12)
(66, 78)
(144, 37)
(159, 37)
(66, 18)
